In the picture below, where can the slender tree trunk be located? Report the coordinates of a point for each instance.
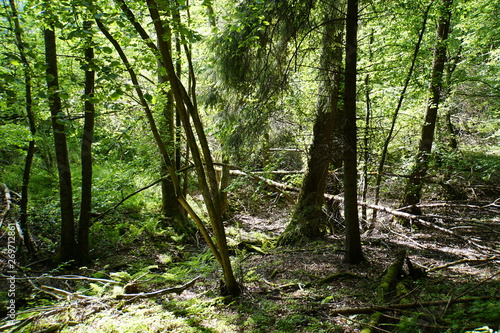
(28, 242)
(171, 208)
(86, 151)
(413, 190)
(402, 95)
(184, 104)
(308, 220)
(353, 252)
(450, 69)
(224, 183)
(453, 144)
(366, 138)
(68, 249)
(201, 154)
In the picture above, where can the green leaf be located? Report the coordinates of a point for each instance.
(107, 50)
(115, 95)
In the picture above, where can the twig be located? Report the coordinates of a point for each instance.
(463, 261)
(475, 286)
(100, 216)
(364, 324)
(61, 294)
(177, 290)
(65, 277)
(397, 307)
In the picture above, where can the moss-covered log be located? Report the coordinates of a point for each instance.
(386, 287)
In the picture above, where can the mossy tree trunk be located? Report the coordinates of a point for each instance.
(308, 219)
(413, 190)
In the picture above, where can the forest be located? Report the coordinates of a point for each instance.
(250, 166)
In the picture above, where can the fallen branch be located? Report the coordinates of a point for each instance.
(63, 294)
(415, 219)
(464, 261)
(176, 290)
(100, 216)
(398, 307)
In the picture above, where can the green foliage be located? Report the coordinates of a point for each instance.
(14, 136)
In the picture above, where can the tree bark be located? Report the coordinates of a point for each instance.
(308, 220)
(354, 253)
(86, 151)
(413, 190)
(68, 249)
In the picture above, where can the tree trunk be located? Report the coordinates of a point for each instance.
(385, 148)
(185, 105)
(450, 69)
(224, 183)
(413, 190)
(366, 134)
(171, 208)
(86, 151)
(68, 249)
(202, 158)
(31, 147)
(308, 220)
(353, 253)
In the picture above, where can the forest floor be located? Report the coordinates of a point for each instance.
(286, 289)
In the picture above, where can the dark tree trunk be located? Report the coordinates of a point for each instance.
(413, 190)
(68, 249)
(86, 152)
(308, 220)
(353, 252)
(31, 147)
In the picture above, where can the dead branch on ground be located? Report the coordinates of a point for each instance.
(464, 261)
(399, 307)
(161, 292)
